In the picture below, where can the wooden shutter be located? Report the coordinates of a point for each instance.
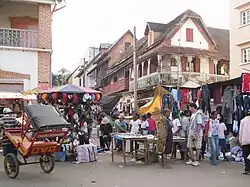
(197, 65)
(184, 63)
(189, 35)
(211, 66)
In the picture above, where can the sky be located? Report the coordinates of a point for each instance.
(87, 23)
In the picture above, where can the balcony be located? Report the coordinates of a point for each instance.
(171, 78)
(118, 86)
(18, 38)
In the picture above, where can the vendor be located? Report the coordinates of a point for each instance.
(106, 130)
(144, 125)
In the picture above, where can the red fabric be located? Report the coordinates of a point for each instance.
(185, 96)
(199, 95)
(246, 83)
(207, 128)
(64, 98)
(71, 111)
(217, 96)
(75, 98)
(152, 124)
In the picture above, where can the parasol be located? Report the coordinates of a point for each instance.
(70, 88)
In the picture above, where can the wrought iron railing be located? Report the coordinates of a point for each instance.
(18, 38)
(172, 78)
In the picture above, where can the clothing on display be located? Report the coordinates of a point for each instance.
(246, 82)
(205, 99)
(227, 105)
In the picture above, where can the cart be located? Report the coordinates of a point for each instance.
(41, 134)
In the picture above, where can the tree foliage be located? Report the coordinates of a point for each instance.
(60, 78)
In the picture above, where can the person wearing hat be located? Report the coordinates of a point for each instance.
(106, 130)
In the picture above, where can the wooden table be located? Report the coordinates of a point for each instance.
(134, 152)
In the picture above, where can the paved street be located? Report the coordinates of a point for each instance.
(104, 173)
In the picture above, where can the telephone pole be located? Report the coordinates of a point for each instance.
(135, 71)
(83, 62)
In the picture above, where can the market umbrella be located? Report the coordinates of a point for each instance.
(68, 88)
(11, 95)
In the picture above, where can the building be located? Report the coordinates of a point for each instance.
(25, 44)
(108, 55)
(171, 54)
(239, 37)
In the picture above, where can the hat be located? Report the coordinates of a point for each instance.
(7, 110)
(105, 121)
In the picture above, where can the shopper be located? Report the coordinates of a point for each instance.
(144, 125)
(195, 135)
(213, 137)
(152, 124)
(244, 138)
(222, 137)
(106, 130)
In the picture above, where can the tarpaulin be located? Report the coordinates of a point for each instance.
(109, 102)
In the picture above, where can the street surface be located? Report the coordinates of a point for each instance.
(106, 174)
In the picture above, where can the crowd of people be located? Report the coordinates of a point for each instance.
(204, 134)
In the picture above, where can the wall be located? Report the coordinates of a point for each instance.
(21, 62)
(90, 79)
(239, 38)
(204, 65)
(14, 9)
(198, 39)
(119, 48)
(44, 42)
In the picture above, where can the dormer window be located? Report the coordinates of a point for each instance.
(189, 35)
(150, 38)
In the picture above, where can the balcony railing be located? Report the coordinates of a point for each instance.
(18, 38)
(171, 78)
(118, 86)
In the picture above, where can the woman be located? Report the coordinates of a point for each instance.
(222, 137)
(144, 125)
(152, 124)
(176, 132)
(213, 136)
(106, 130)
(121, 127)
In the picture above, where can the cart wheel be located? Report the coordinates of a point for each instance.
(11, 165)
(47, 163)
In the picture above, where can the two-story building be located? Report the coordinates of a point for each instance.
(25, 44)
(171, 54)
(239, 37)
(106, 60)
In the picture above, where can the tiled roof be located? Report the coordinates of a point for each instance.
(13, 75)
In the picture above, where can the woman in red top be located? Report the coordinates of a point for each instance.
(152, 124)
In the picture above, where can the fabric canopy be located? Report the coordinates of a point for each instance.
(190, 84)
(70, 88)
(11, 95)
(155, 105)
(109, 102)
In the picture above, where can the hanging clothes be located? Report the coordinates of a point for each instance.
(194, 95)
(199, 96)
(246, 82)
(185, 94)
(227, 106)
(205, 99)
(175, 94)
(217, 95)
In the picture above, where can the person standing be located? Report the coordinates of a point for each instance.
(135, 125)
(176, 132)
(195, 135)
(244, 138)
(213, 137)
(222, 136)
(152, 124)
(144, 125)
(106, 130)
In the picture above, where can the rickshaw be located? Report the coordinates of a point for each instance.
(41, 134)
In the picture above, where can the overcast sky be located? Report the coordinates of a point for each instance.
(85, 23)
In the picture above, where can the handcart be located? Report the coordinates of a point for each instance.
(42, 133)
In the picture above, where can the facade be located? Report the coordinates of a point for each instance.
(99, 67)
(25, 44)
(239, 37)
(171, 54)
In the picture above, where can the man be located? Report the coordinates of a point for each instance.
(195, 135)
(244, 138)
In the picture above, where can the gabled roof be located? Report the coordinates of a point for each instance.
(156, 27)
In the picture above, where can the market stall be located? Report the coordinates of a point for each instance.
(76, 105)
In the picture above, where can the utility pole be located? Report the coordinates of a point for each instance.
(83, 62)
(135, 71)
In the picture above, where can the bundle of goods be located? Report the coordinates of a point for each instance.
(86, 153)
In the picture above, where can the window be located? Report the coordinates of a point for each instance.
(127, 45)
(245, 17)
(246, 55)
(174, 62)
(189, 35)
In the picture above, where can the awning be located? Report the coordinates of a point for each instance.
(190, 84)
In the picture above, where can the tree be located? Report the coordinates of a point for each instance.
(60, 78)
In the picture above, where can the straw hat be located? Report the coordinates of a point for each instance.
(105, 121)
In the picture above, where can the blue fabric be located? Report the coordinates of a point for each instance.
(179, 95)
(117, 137)
(214, 144)
(175, 94)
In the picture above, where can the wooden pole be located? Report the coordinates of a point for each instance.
(135, 71)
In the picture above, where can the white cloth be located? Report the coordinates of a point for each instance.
(176, 126)
(221, 130)
(86, 153)
(135, 126)
(144, 126)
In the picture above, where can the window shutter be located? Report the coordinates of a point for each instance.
(184, 63)
(197, 65)
(189, 35)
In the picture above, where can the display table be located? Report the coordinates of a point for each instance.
(135, 151)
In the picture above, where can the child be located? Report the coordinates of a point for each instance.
(222, 129)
